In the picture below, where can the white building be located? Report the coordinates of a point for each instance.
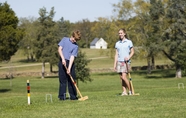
(98, 44)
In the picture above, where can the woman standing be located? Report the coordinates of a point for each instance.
(124, 52)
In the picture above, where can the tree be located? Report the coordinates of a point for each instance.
(85, 27)
(45, 46)
(153, 43)
(125, 9)
(106, 29)
(30, 26)
(174, 35)
(82, 72)
(10, 34)
(64, 28)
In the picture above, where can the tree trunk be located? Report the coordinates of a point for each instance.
(51, 68)
(28, 58)
(153, 62)
(32, 57)
(43, 70)
(178, 71)
(149, 66)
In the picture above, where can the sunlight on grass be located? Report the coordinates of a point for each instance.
(159, 98)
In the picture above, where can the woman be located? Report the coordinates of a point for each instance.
(124, 52)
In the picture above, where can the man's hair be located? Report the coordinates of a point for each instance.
(77, 35)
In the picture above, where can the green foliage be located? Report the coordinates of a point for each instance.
(45, 46)
(174, 36)
(10, 35)
(157, 25)
(82, 71)
(86, 35)
(30, 26)
(181, 58)
(107, 30)
(124, 9)
(64, 28)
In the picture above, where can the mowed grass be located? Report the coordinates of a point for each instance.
(159, 94)
(159, 97)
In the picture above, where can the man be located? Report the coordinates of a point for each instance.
(68, 50)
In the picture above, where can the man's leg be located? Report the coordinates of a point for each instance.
(62, 82)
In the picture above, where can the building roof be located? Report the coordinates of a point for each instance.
(94, 41)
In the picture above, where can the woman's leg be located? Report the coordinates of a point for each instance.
(126, 81)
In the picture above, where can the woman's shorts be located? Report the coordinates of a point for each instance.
(121, 67)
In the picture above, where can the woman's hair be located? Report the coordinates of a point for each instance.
(122, 29)
(77, 35)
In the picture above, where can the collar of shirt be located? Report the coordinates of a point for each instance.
(123, 41)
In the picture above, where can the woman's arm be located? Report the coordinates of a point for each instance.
(115, 59)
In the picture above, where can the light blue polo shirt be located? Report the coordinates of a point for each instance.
(123, 49)
(68, 48)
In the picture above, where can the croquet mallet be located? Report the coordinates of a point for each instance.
(130, 80)
(81, 97)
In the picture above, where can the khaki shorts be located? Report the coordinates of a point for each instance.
(121, 67)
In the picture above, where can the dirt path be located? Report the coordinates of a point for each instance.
(26, 65)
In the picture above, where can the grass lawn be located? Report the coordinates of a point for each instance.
(99, 59)
(159, 98)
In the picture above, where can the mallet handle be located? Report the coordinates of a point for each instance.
(74, 82)
(130, 79)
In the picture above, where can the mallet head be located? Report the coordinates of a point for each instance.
(83, 98)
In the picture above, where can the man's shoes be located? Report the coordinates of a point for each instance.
(74, 98)
(61, 99)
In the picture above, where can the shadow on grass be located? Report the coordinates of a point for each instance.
(159, 77)
(26, 61)
(107, 73)
(6, 78)
(156, 74)
(47, 77)
(4, 90)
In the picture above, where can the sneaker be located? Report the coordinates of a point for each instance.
(124, 93)
(130, 93)
(75, 98)
(61, 99)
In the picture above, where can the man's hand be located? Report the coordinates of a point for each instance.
(68, 71)
(63, 62)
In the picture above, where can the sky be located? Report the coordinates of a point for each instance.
(72, 10)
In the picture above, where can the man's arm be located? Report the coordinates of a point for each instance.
(70, 63)
(61, 55)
